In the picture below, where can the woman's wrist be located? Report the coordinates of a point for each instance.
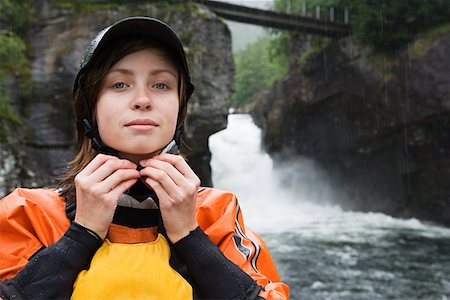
(175, 237)
(92, 232)
(96, 233)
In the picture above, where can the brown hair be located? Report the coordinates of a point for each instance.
(91, 82)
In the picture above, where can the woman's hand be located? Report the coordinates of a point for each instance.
(176, 186)
(98, 188)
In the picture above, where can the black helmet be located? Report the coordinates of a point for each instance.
(134, 26)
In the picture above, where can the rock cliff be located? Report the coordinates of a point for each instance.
(56, 45)
(379, 125)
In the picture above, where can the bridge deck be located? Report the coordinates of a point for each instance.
(276, 20)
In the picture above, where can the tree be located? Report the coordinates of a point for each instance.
(256, 69)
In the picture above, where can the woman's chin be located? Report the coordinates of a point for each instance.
(136, 156)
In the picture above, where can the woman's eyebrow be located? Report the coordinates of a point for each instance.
(151, 72)
(123, 71)
(158, 71)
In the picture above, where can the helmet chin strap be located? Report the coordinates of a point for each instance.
(179, 134)
(92, 133)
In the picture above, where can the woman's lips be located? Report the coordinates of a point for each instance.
(142, 124)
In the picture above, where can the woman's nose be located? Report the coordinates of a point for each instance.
(142, 99)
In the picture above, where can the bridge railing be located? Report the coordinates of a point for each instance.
(323, 13)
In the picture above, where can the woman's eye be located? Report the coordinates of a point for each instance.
(119, 85)
(160, 86)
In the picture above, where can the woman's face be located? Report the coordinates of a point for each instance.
(138, 104)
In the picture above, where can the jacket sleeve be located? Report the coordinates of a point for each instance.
(220, 217)
(213, 275)
(51, 273)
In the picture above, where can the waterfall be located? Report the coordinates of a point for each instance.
(268, 194)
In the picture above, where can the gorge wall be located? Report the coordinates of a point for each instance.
(379, 125)
(56, 44)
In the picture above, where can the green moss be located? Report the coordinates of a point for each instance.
(201, 12)
(187, 35)
(64, 4)
(388, 76)
(307, 54)
(390, 137)
(85, 5)
(6, 114)
(425, 40)
(384, 65)
(383, 60)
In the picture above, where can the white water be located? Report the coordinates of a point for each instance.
(294, 197)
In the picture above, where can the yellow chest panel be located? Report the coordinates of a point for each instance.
(132, 271)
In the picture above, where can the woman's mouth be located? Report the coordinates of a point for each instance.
(142, 124)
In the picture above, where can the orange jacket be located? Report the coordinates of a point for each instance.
(34, 218)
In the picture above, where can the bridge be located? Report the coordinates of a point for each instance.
(243, 14)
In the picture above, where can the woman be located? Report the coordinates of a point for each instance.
(130, 220)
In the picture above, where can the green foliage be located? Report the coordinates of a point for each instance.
(17, 15)
(384, 25)
(389, 25)
(13, 58)
(279, 45)
(257, 67)
(13, 62)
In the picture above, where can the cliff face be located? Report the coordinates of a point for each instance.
(379, 126)
(57, 44)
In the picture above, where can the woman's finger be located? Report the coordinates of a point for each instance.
(109, 167)
(114, 181)
(157, 187)
(163, 180)
(122, 187)
(177, 168)
(175, 160)
(95, 163)
(166, 168)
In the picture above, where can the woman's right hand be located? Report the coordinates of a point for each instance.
(98, 188)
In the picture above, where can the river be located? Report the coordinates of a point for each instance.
(321, 251)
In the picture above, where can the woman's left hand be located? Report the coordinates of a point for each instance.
(176, 186)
